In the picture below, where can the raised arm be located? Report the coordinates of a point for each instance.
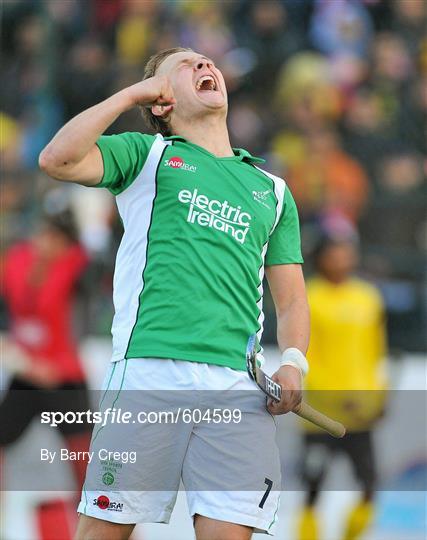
(287, 287)
(72, 154)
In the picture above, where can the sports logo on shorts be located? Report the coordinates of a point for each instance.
(177, 162)
(104, 503)
(215, 214)
(108, 478)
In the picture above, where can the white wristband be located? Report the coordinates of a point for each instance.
(294, 357)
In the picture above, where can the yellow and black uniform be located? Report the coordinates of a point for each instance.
(347, 381)
(347, 351)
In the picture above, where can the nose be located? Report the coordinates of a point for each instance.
(203, 63)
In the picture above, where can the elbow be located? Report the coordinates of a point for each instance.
(298, 304)
(48, 164)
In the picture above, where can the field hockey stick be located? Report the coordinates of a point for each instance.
(274, 390)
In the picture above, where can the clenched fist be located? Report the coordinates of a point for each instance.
(156, 90)
(290, 380)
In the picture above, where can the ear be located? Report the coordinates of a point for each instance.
(161, 110)
(157, 110)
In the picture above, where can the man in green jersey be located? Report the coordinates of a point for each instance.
(201, 224)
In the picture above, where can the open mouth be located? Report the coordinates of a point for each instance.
(206, 83)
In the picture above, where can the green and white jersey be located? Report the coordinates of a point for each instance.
(198, 230)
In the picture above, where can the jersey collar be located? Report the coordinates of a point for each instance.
(240, 153)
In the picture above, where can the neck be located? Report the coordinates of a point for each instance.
(209, 132)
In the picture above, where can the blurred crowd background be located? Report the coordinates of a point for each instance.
(332, 93)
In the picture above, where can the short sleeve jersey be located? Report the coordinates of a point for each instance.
(198, 230)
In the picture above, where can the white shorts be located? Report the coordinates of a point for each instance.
(230, 468)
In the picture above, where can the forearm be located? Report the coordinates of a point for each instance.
(74, 141)
(72, 155)
(293, 331)
(293, 325)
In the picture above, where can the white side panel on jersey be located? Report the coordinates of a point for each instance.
(135, 206)
(261, 315)
(279, 191)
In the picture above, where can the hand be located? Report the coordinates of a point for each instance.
(290, 380)
(156, 90)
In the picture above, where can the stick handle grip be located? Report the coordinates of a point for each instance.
(336, 429)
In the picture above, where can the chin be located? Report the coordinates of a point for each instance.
(214, 101)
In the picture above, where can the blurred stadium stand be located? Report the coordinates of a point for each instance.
(332, 94)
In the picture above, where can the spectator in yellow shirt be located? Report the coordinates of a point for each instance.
(346, 377)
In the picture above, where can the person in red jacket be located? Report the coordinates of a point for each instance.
(39, 350)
